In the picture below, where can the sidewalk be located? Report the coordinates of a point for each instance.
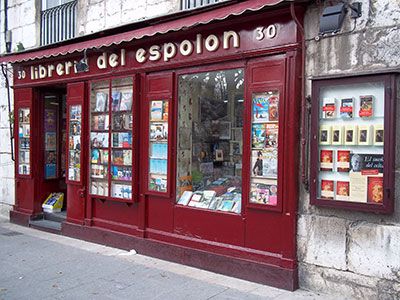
(39, 265)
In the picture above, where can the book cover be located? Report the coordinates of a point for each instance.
(265, 163)
(226, 205)
(273, 108)
(116, 98)
(101, 102)
(118, 157)
(99, 139)
(343, 190)
(159, 132)
(327, 191)
(366, 106)
(258, 136)
(196, 199)
(329, 108)
(364, 135)
(271, 135)
(350, 135)
(185, 198)
(346, 108)
(157, 183)
(343, 161)
(118, 122)
(337, 135)
(156, 110)
(95, 156)
(326, 160)
(127, 157)
(208, 197)
(325, 135)
(263, 193)
(378, 137)
(126, 101)
(375, 190)
(260, 108)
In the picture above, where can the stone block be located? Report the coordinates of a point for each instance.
(374, 250)
(27, 13)
(133, 15)
(323, 241)
(133, 5)
(5, 210)
(113, 7)
(94, 26)
(7, 191)
(344, 285)
(5, 140)
(96, 12)
(113, 20)
(29, 36)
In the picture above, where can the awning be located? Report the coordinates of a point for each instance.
(219, 13)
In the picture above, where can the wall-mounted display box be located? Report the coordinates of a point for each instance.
(353, 143)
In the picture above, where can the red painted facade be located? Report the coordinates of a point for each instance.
(260, 243)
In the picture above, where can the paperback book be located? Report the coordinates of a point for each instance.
(326, 160)
(156, 110)
(116, 98)
(343, 190)
(258, 136)
(346, 108)
(273, 108)
(327, 191)
(366, 106)
(329, 108)
(271, 135)
(126, 101)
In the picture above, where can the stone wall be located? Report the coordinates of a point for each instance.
(345, 252)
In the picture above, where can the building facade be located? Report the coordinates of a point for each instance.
(272, 67)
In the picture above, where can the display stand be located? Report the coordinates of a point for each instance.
(353, 143)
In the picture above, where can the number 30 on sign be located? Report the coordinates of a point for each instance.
(266, 32)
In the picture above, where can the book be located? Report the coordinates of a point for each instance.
(226, 205)
(364, 135)
(328, 108)
(185, 198)
(258, 135)
(260, 108)
(378, 136)
(342, 190)
(325, 135)
(375, 190)
(346, 108)
(366, 106)
(350, 134)
(337, 135)
(271, 135)
(273, 108)
(121, 173)
(115, 100)
(196, 199)
(208, 197)
(126, 101)
(159, 131)
(121, 191)
(327, 191)
(326, 160)
(343, 161)
(99, 140)
(101, 102)
(156, 110)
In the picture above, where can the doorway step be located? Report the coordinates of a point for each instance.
(50, 222)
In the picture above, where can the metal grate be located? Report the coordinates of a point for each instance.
(58, 23)
(190, 4)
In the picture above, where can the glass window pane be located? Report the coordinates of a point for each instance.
(24, 133)
(210, 127)
(74, 161)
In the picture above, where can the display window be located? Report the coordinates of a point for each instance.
(354, 156)
(210, 130)
(24, 135)
(111, 138)
(51, 136)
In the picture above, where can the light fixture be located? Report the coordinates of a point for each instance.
(332, 17)
(8, 39)
(82, 65)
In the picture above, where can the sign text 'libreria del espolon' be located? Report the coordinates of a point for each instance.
(165, 52)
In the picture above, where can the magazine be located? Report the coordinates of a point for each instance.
(116, 98)
(101, 102)
(260, 108)
(258, 136)
(271, 135)
(328, 108)
(156, 112)
(326, 160)
(126, 101)
(273, 108)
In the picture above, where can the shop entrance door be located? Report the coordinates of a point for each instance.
(53, 146)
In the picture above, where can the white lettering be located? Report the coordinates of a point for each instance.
(231, 34)
(68, 66)
(212, 43)
(50, 69)
(141, 55)
(271, 31)
(42, 72)
(102, 61)
(123, 61)
(199, 44)
(169, 51)
(32, 73)
(113, 60)
(186, 48)
(154, 53)
(60, 69)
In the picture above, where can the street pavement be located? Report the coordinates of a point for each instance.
(40, 265)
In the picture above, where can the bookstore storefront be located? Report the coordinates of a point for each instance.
(180, 146)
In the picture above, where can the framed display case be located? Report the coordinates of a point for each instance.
(352, 146)
(111, 139)
(74, 142)
(51, 137)
(24, 141)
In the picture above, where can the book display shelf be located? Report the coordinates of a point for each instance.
(158, 152)
(264, 148)
(111, 125)
(24, 133)
(351, 141)
(75, 140)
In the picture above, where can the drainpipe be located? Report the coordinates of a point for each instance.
(304, 104)
(7, 40)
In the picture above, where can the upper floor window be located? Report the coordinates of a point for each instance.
(190, 4)
(58, 21)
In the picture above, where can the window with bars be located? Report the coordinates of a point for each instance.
(190, 4)
(58, 21)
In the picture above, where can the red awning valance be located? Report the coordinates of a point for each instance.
(219, 13)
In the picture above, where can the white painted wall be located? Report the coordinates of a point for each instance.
(352, 254)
